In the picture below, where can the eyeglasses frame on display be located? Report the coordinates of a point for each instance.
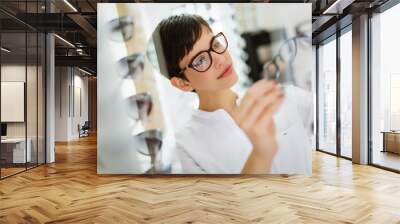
(273, 62)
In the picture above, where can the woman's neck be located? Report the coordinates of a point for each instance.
(211, 101)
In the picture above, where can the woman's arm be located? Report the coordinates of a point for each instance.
(254, 116)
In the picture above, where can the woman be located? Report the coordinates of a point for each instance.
(222, 136)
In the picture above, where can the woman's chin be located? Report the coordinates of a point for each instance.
(231, 79)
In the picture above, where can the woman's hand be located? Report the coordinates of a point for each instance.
(254, 116)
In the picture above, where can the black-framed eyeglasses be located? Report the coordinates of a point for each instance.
(132, 65)
(121, 29)
(287, 52)
(202, 61)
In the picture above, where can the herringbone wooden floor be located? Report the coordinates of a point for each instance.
(70, 191)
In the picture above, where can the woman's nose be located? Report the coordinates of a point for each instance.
(218, 60)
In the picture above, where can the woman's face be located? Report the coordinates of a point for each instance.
(220, 75)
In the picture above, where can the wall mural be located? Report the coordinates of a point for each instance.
(174, 78)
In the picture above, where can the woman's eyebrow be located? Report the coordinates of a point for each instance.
(208, 46)
(197, 52)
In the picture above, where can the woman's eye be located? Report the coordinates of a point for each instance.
(199, 61)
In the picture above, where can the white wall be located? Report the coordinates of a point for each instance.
(12, 73)
(67, 116)
(12, 100)
(33, 126)
(80, 83)
(61, 103)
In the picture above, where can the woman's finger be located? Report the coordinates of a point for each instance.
(256, 91)
(266, 117)
(262, 104)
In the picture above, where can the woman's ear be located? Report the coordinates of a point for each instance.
(181, 84)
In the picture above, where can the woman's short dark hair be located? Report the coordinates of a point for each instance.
(178, 34)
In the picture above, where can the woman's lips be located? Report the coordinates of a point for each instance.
(226, 72)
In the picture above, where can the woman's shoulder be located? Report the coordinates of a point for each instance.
(213, 142)
(206, 129)
(200, 122)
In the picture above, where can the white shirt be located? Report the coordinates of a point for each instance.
(212, 143)
(293, 124)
